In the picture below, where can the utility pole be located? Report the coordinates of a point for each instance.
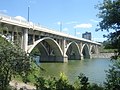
(28, 13)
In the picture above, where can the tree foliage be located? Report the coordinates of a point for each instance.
(13, 61)
(53, 84)
(110, 21)
(113, 77)
(109, 13)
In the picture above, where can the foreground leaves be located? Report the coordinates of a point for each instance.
(13, 61)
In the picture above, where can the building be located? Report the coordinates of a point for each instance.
(87, 35)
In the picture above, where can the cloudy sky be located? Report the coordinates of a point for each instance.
(74, 16)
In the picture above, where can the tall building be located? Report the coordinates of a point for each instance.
(87, 35)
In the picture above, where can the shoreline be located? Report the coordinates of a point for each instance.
(102, 55)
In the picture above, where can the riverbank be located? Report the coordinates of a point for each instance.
(102, 55)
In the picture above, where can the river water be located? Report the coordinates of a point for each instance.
(92, 68)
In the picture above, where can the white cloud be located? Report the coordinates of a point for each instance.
(88, 25)
(3, 11)
(65, 29)
(21, 18)
(93, 20)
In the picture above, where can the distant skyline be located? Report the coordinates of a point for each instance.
(70, 16)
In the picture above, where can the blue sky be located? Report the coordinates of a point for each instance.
(73, 15)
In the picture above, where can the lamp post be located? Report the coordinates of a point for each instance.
(28, 13)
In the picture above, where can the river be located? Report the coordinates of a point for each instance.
(92, 68)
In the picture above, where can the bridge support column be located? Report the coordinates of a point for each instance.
(25, 39)
(81, 57)
(80, 46)
(65, 57)
(12, 36)
(90, 56)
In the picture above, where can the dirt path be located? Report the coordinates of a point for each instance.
(19, 85)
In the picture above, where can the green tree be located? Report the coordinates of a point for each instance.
(113, 77)
(13, 61)
(109, 13)
(83, 81)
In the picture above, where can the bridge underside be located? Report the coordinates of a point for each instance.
(73, 52)
(48, 52)
(85, 52)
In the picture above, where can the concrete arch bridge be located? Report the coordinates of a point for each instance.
(49, 44)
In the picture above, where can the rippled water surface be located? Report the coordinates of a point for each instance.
(92, 68)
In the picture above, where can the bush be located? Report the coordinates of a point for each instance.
(53, 84)
(13, 61)
(113, 77)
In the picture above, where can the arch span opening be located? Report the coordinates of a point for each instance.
(73, 51)
(85, 51)
(49, 50)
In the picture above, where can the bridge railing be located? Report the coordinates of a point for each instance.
(30, 24)
(3, 16)
(26, 22)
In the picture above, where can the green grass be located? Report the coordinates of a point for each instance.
(108, 50)
(102, 50)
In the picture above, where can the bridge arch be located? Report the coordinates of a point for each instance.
(85, 51)
(56, 51)
(73, 51)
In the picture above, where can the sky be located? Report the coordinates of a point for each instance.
(75, 17)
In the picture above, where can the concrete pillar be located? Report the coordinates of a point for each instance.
(90, 57)
(82, 56)
(65, 57)
(25, 39)
(12, 36)
(80, 46)
(90, 51)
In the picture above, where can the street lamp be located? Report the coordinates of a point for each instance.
(28, 13)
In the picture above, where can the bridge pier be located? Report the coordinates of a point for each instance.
(65, 58)
(81, 57)
(25, 40)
